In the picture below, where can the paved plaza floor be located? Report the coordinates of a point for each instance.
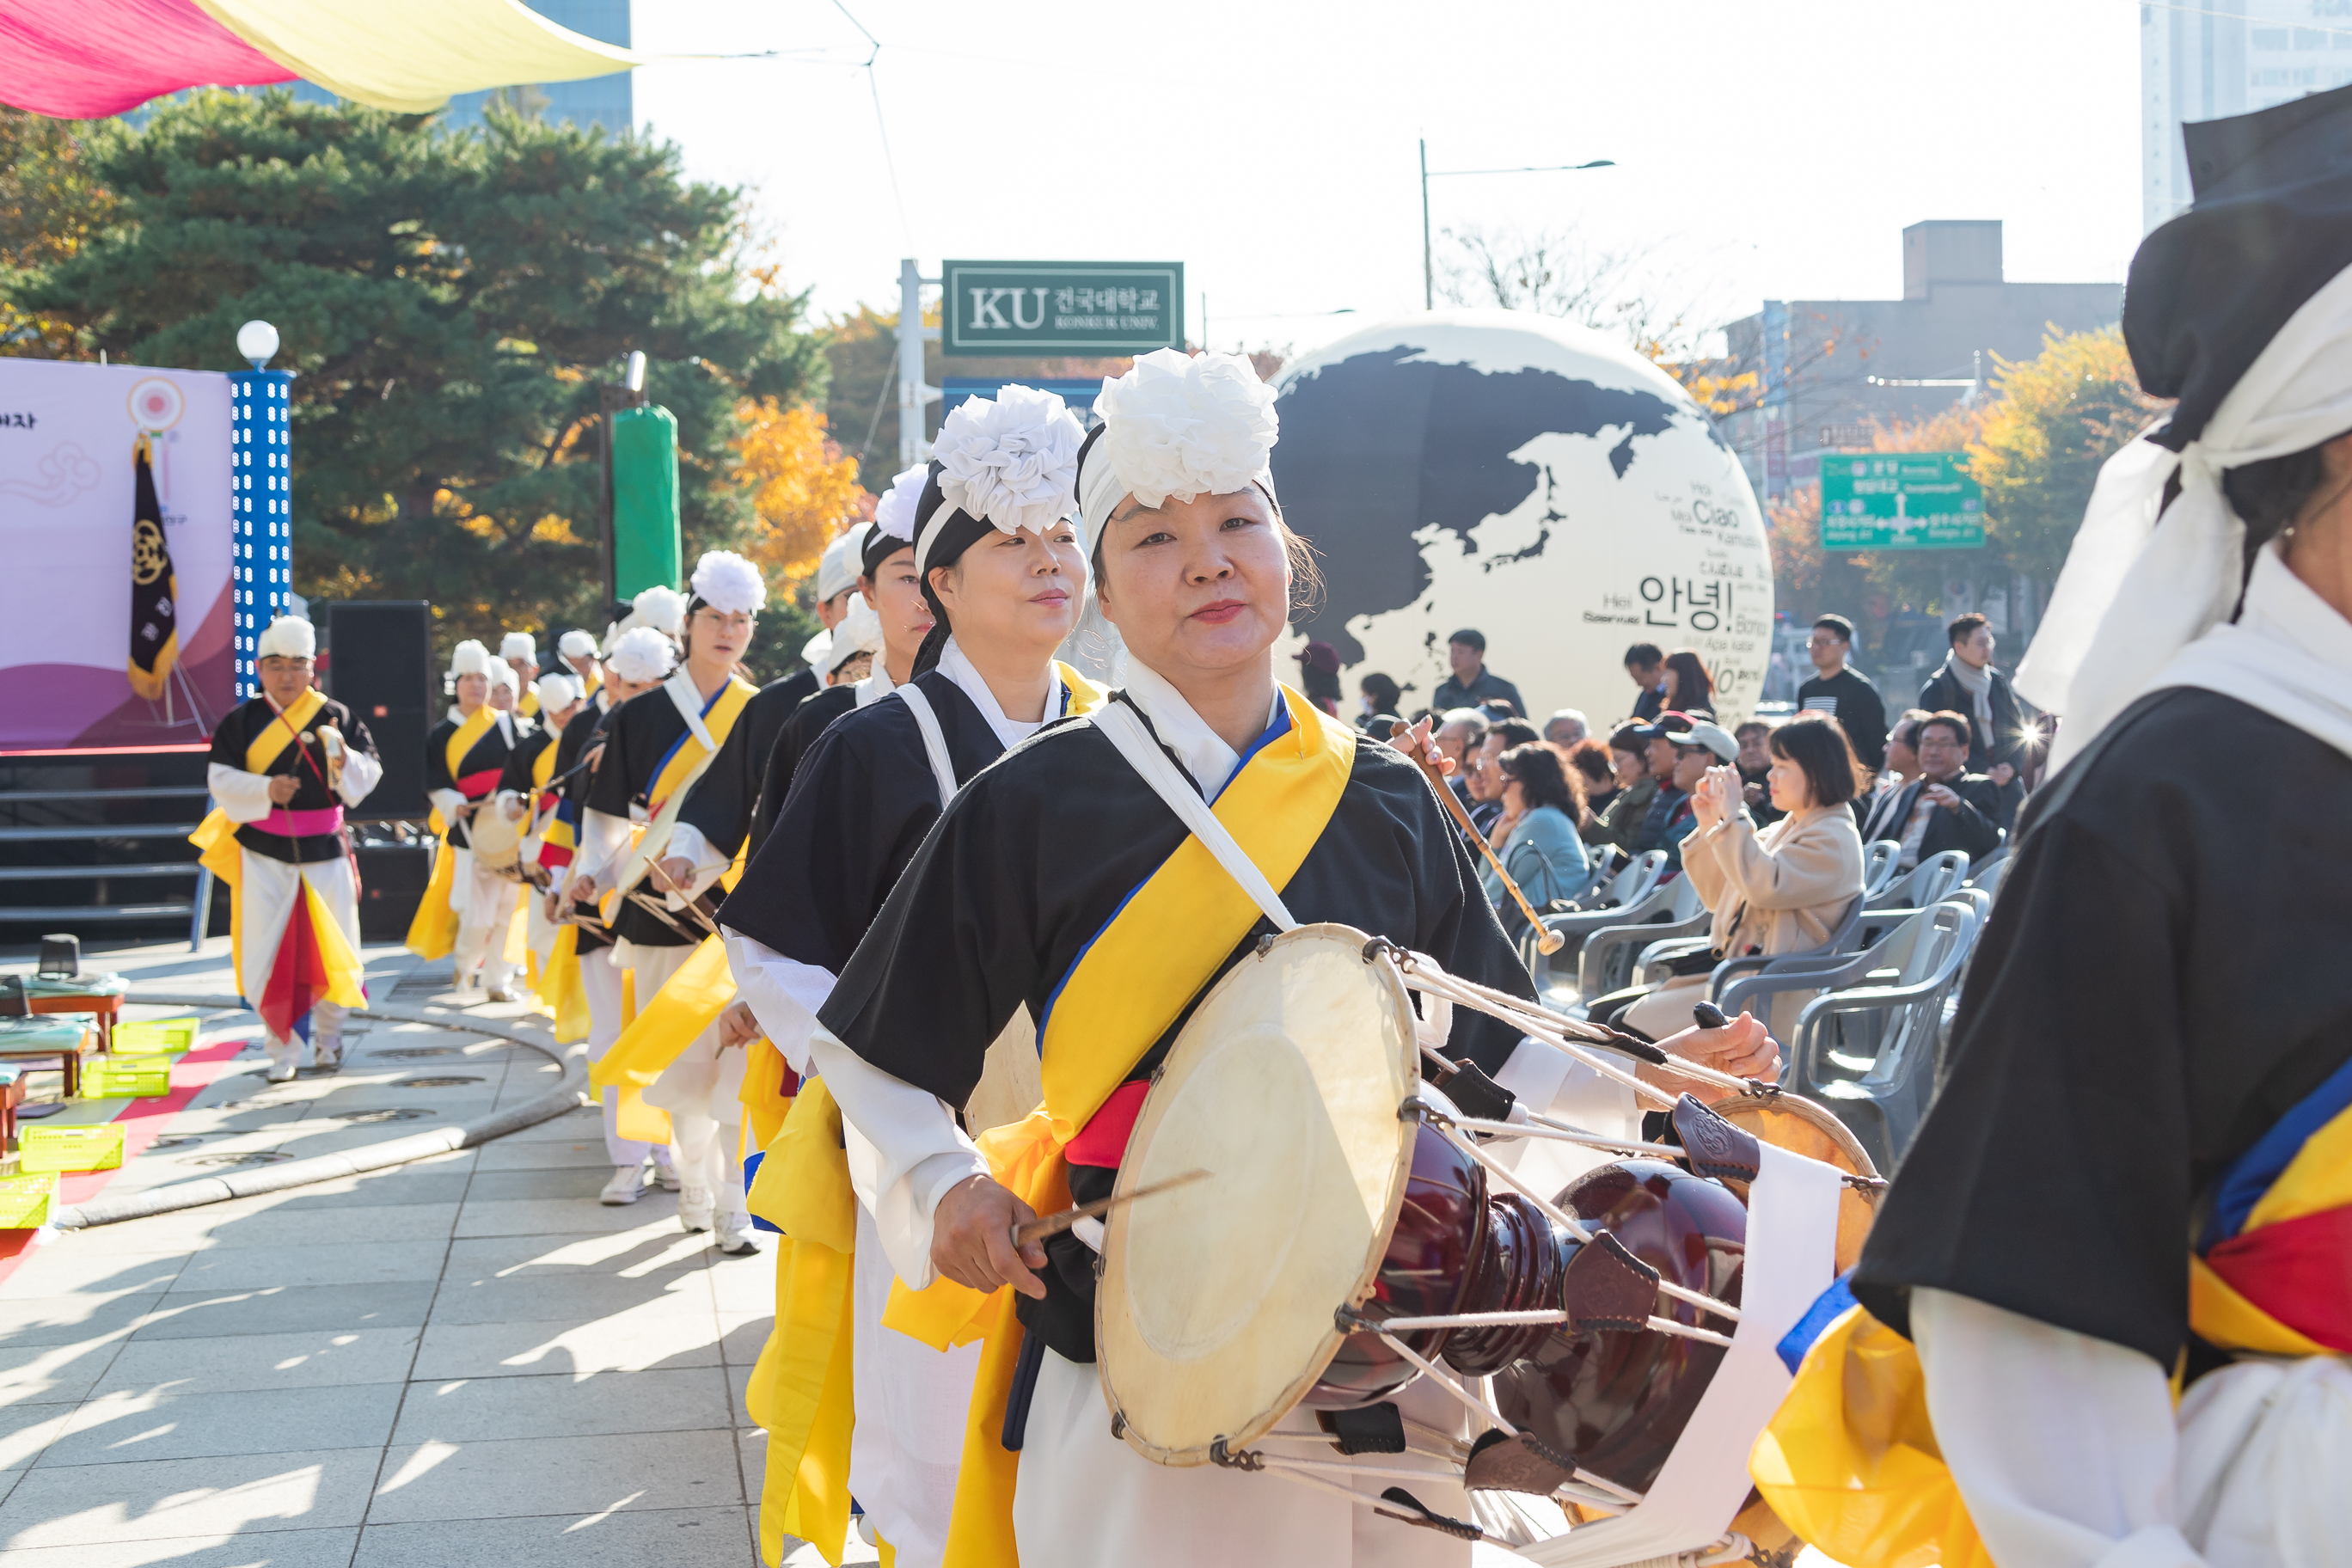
(463, 1360)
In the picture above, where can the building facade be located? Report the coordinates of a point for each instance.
(2221, 57)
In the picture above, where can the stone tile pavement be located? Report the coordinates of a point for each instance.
(463, 1360)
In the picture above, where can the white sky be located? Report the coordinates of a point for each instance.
(1763, 149)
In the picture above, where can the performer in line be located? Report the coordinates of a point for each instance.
(638, 662)
(526, 799)
(1000, 567)
(887, 583)
(465, 756)
(2138, 1173)
(577, 650)
(519, 652)
(658, 749)
(1059, 880)
(284, 765)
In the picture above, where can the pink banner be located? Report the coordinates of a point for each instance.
(83, 59)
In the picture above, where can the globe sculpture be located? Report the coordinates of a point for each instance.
(1530, 479)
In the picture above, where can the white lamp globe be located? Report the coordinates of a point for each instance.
(257, 340)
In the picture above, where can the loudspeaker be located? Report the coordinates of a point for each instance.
(393, 880)
(378, 659)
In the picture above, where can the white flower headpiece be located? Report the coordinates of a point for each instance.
(728, 583)
(1181, 426)
(577, 644)
(1008, 461)
(661, 607)
(517, 645)
(642, 655)
(893, 514)
(557, 692)
(288, 637)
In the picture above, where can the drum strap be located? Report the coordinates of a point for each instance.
(935, 742)
(1134, 742)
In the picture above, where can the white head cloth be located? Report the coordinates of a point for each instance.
(728, 583)
(893, 514)
(577, 644)
(836, 569)
(1008, 461)
(517, 645)
(470, 658)
(502, 673)
(2135, 593)
(557, 692)
(1181, 426)
(288, 637)
(660, 607)
(642, 655)
(860, 631)
(812, 651)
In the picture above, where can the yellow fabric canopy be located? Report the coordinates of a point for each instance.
(410, 55)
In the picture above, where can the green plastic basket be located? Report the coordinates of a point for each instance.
(25, 1201)
(126, 1078)
(61, 1148)
(172, 1036)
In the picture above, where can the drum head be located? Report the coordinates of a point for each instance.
(496, 842)
(1792, 1123)
(1213, 1313)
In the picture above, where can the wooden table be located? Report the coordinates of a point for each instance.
(99, 995)
(28, 1040)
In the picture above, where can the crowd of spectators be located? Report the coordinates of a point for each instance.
(1759, 817)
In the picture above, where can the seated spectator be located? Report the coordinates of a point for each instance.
(1659, 747)
(1755, 762)
(1487, 777)
(1592, 759)
(1688, 688)
(1967, 684)
(1783, 889)
(1872, 810)
(1458, 734)
(1843, 692)
(1567, 729)
(1379, 695)
(1629, 764)
(1535, 834)
(1498, 709)
(1472, 682)
(1645, 662)
(1697, 749)
(1318, 676)
(1946, 807)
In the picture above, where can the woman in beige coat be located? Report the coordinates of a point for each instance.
(1782, 889)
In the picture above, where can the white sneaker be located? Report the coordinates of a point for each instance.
(327, 1055)
(665, 1177)
(503, 994)
(280, 1072)
(736, 1237)
(628, 1185)
(695, 1207)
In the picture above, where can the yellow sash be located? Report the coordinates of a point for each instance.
(434, 931)
(216, 836)
(1131, 984)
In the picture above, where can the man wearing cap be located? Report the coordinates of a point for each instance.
(577, 652)
(520, 652)
(284, 763)
(1658, 749)
(1472, 682)
(1702, 745)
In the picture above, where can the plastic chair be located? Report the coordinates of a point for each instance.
(1606, 904)
(1868, 1047)
(1670, 909)
(1927, 883)
(1988, 872)
(1879, 859)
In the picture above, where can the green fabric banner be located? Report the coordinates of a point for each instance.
(645, 548)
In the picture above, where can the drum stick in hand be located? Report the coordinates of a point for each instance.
(1030, 1230)
(1547, 941)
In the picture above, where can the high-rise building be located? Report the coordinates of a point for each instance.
(2220, 58)
(598, 100)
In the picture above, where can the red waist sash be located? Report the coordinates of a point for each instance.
(473, 786)
(302, 824)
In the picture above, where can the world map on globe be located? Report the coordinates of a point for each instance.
(1533, 480)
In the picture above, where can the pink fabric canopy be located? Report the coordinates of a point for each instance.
(82, 60)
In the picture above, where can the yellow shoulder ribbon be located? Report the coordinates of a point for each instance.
(217, 834)
(1131, 984)
(1850, 1461)
(433, 933)
(688, 758)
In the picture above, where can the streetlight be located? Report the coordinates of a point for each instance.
(1428, 275)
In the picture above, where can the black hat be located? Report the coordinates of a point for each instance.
(2271, 224)
(1672, 724)
(1476, 639)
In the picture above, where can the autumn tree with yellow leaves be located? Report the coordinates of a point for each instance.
(804, 488)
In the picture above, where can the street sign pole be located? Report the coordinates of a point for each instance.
(914, 397)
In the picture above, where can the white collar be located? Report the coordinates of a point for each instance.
(1010, 732)
(1183, 731)
(505, 722)
(875, 686)
(2288, 655)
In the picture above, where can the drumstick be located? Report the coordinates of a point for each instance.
(1550, 941)
(691, 906)
(1030, 1230)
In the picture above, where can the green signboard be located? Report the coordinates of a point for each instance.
(1025, 308)
(1901, 500)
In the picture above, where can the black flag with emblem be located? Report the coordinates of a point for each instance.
(155, 591)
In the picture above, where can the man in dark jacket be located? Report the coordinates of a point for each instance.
(1472, 682)
(1645, 663)
(1845, 694)
(1948, 807)
(1967, 683)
